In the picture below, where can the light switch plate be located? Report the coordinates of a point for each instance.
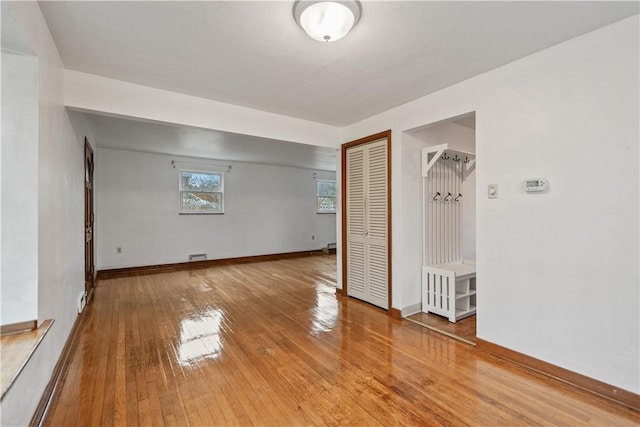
(492, 191)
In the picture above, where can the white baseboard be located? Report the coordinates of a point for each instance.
(411, 309)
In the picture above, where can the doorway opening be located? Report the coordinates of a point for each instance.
(446, 187)
(89, 220)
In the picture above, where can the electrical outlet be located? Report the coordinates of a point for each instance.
(119, 250)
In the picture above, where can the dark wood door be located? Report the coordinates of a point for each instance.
(89, 219)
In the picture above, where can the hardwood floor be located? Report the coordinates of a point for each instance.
(270, 344)
(463, 329)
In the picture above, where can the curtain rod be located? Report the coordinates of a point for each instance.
(196, 163)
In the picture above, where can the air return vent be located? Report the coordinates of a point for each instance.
(197, 257)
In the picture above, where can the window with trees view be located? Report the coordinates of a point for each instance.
(326, 194)
(201, 192)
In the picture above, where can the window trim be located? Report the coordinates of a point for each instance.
(181, 211)
(335, 197)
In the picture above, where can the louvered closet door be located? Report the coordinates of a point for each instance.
(367, 234)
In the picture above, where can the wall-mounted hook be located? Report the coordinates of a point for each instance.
(456, 158)
(448, 197)
(437, 196)
(458, 197)
(466, 160)
(315, 175)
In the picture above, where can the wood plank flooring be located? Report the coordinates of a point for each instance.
(463, 329)
(270, 344)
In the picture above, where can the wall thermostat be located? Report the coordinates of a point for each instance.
(533, 185)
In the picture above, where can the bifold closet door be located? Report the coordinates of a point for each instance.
(367, 233)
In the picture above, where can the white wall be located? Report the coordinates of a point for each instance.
(60, 262)
(268, 209)
(19, 188)
(560, 270)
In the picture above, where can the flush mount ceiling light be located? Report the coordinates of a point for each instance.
(327, 21)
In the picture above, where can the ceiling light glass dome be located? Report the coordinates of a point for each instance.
(327, 21)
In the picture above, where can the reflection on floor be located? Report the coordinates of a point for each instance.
(463, 330)
(270, 344)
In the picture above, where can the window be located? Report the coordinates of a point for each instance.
(326, 194)
(201, 192)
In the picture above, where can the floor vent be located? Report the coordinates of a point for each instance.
(197, 257)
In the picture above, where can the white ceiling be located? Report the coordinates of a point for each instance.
(251, 53)
(123, 133)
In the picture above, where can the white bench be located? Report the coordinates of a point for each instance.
(449, 290)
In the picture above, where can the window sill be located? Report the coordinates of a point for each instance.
(201, 213)
(17, 349)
